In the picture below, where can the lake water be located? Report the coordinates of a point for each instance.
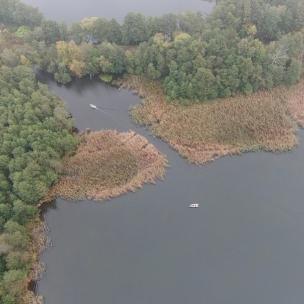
(244, 245)
(71, 10)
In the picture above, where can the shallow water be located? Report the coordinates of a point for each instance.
(244, 245)
(71, 10)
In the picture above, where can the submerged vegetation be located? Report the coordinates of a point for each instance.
(108, 164)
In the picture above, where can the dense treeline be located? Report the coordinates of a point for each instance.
(243, 46)
(15, 13)
(35, 133)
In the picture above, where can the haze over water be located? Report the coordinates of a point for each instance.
(244, 245)
(71, 10)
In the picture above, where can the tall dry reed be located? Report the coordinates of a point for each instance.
(108, 164)
(203, 132)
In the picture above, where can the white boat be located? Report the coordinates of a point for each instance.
(194, 205)
(93, 106)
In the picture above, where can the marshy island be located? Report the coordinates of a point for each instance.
(211, 85)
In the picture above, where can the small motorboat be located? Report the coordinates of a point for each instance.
(93, 106)
(194, 205)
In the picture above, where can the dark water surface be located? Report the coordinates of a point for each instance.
(245, 245)
(71, 10)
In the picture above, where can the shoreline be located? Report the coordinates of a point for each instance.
(154, 117)
(108, 164)
(149, 172)
(273, 130)
(39, 242)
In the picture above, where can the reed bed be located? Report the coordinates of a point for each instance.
(108, 164)
(38, 231)
(203, 132)
(296, 103)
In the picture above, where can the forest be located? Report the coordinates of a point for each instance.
(242, 47)
(35, 133)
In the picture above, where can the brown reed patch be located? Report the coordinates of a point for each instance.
(203, 132)
(38, 232)
(108, 164)
(296, 103)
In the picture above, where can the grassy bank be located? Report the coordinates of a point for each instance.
(206, 131)
(108, 164)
